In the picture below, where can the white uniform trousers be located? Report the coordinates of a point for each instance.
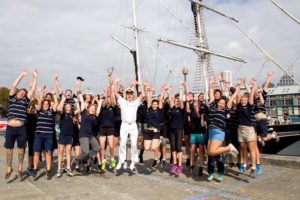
(128, 128)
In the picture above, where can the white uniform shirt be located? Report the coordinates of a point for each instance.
(129, 109)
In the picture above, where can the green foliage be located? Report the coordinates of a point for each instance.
(4, 92)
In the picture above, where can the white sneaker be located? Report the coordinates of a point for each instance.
(233, 151)
(132, 166)
(119, 165)
(125, 165)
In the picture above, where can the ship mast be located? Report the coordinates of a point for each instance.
(134, 51)
(203, 68)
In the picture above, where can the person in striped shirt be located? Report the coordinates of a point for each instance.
(43, 138)
(17, 116)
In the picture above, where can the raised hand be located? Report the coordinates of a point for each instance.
(239, 81)
(145, 83)
(270, 74)
(52, 91)
(24, 72)
(34, 73)
(117, 80)
(164, 86)
(253, 81)
(55, 76)
(220, 77)
(212, 79)
(43, 89)
(258, 89)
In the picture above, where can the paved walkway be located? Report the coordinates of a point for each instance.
(147, 183)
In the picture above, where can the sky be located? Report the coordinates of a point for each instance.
(73, 38)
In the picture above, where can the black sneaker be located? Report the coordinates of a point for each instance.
(155, 163)
(200, 172)
(34, 173)
(163, 164)
(188, 162)
(48, 175)
(191, 169)
(88, 169)
(253, 173)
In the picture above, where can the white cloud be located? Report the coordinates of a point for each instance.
(72, 38)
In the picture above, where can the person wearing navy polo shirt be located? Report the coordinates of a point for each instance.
(16, 130)
(154, 116)
(176, 125)
(89, 146)
(107, 130)
(43, 139)
(66, 135)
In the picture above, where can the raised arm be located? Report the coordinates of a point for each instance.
(251, 96)
(59, 89)
(181, 88)
(52, 91)
(100, 101)
(261, 98)
(235, 94)
(142, 95)
(40, 99)
(245, 81)
(187, 106)
(148, 95)
(33, 82)
(60, 106)
(162, 94)
(211, 89)
(222, 85)
(268, 81)
(13, 88)
(171, 100)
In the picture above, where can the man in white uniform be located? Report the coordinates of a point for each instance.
(129, 108)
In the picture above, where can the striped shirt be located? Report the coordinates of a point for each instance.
(69, 101)
(259, 107)
(17, 107)
(45, 122)
(217, 118)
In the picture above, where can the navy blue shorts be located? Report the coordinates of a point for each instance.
(13, 134)
(65, 139)
(262, 127)
(42, 141)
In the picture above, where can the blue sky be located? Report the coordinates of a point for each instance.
(72, 37)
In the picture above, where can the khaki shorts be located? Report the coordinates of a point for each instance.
(246, 133)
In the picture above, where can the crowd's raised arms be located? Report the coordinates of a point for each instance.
(89, 123)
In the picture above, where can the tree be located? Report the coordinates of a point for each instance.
(4, 92)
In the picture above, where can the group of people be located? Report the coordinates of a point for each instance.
(232, 122)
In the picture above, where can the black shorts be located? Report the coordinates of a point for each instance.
(76, 140)
(106, 131)
(15, 133)
(149, 135)
(65, 139)
(262, 127)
